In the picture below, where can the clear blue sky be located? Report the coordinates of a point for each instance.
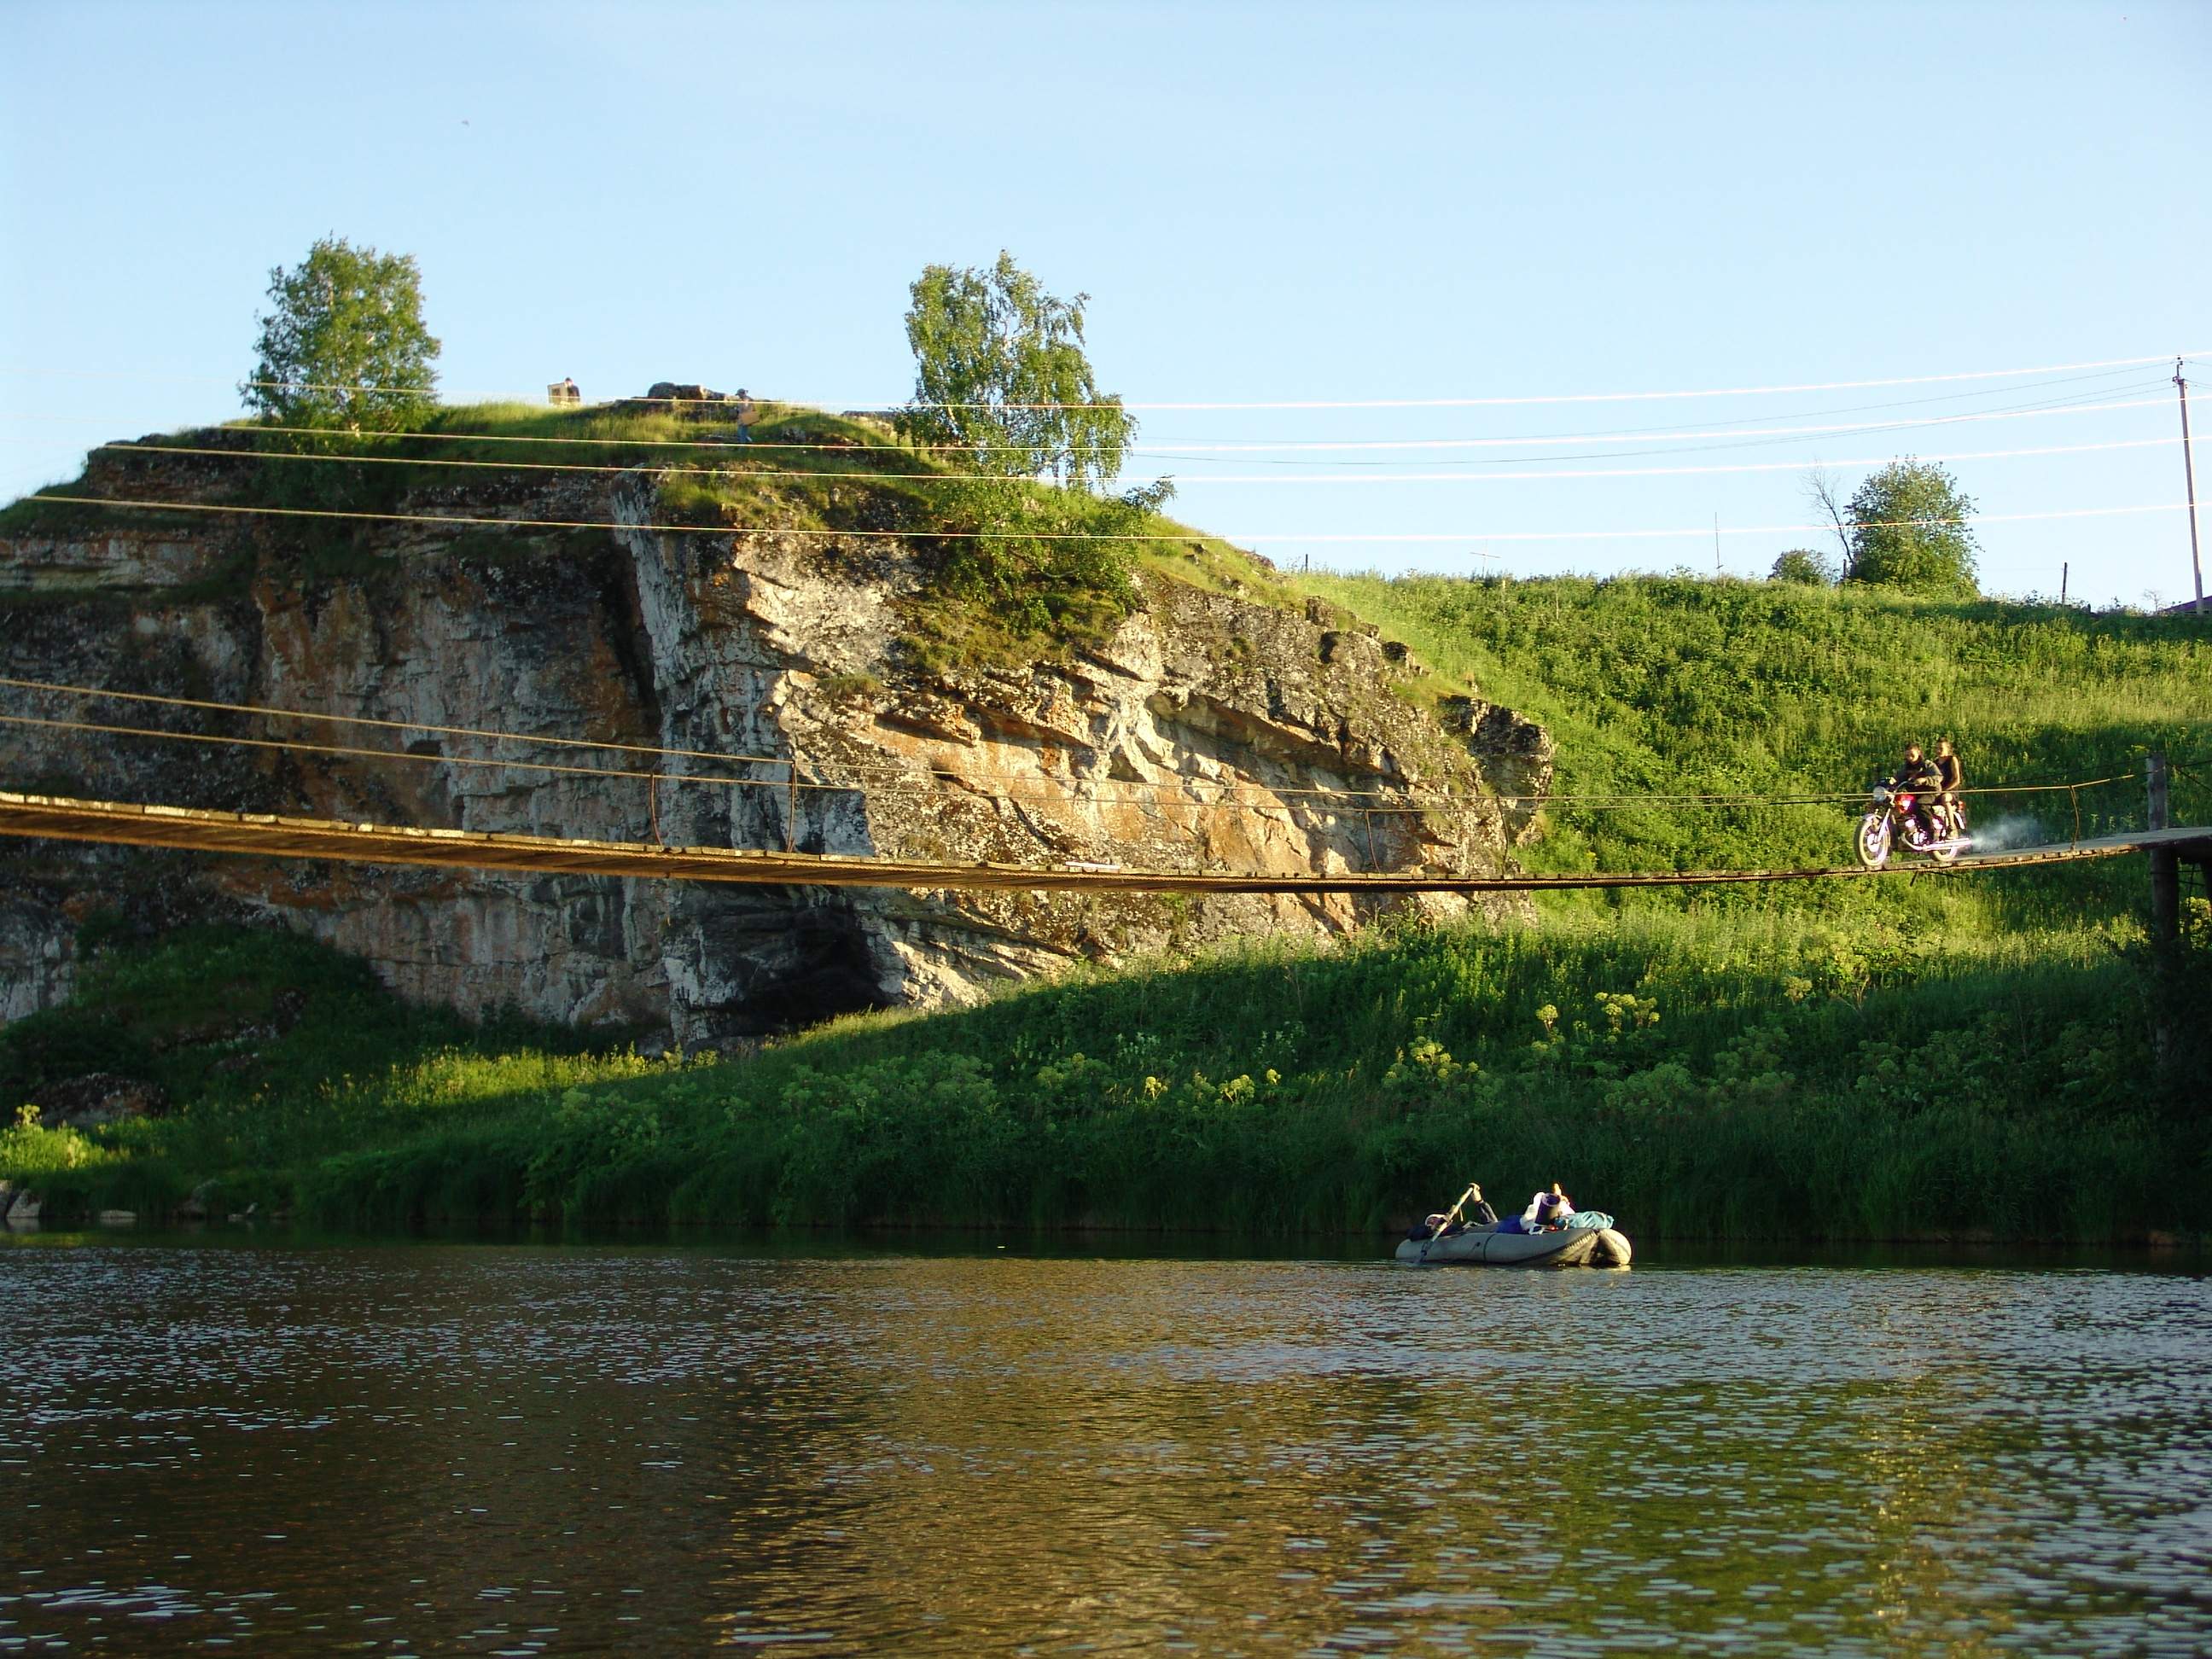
(1265, 202)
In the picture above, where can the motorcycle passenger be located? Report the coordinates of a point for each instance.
(1951, 780)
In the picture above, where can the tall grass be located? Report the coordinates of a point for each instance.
(1724, 1074)
(272, 1051)
(1714, 1076)
(1682, 686)
(1848, 1059)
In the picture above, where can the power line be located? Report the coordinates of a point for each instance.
(1181, 451)
(1260, 404)
(1653, 441)
(1080, 536)
(1763, 433)
(748, 474)
(1576, 398)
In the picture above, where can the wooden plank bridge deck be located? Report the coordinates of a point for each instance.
(276, 836)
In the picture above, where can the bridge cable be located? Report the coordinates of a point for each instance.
(1628, 802)
(1292, 538)
(746, 475)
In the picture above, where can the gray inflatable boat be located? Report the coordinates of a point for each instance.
(1486, 1247)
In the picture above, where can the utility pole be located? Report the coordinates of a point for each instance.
(2064, 566)
(2189, 472)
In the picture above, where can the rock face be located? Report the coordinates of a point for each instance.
(97, 1098)
(1209, 732)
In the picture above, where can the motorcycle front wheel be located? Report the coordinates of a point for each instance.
(1874, 840)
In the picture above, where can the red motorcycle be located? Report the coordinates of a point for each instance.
(1899, 816)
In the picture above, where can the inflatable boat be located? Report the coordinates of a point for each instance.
(1556, 1246)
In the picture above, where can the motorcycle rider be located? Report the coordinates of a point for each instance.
(1923, 780)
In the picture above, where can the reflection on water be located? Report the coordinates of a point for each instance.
(516, 1451)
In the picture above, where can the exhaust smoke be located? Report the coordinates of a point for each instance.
(2004, 835)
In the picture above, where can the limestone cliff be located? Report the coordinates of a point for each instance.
(1211, 729)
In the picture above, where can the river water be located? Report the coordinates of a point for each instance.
(425, 1448)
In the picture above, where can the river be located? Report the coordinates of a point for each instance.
(421, 1447)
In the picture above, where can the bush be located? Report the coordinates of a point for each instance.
(1909, 531)
(1803, 566)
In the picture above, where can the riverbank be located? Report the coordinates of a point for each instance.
(1702, 1076)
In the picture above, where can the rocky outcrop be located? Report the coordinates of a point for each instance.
(1210, 730)
(96, 1099)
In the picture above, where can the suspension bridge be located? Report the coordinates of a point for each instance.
(285, 836)
(281, 835)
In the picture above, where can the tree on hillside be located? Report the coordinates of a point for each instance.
(1802, 565)
(1000, 376)
(343, 344)
(1909, 529)
(1824, 493)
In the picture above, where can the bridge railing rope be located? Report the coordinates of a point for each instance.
(1181, 804)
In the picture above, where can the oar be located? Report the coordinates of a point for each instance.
(1450, 1216)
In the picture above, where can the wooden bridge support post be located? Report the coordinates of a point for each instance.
(2164, 864)
(2164, 895)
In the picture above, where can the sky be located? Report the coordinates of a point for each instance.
(1268, 205)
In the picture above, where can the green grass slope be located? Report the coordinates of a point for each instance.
(1682, 686)
(1734, 1076)
(270, 1052)
(1900, 1058)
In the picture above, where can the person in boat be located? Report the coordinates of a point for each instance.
(1547, 1210)
(1440, 1224)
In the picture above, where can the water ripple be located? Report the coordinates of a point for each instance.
(512, 1450)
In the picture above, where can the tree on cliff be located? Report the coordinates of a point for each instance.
(344, 343)
(1909, 531)
(1001, 378)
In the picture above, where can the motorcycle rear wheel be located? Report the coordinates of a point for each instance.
(1873, 841)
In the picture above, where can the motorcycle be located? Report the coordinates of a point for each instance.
(1898, 817)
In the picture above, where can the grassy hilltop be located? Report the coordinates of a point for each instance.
(1858, 1059)
(1011, 583)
